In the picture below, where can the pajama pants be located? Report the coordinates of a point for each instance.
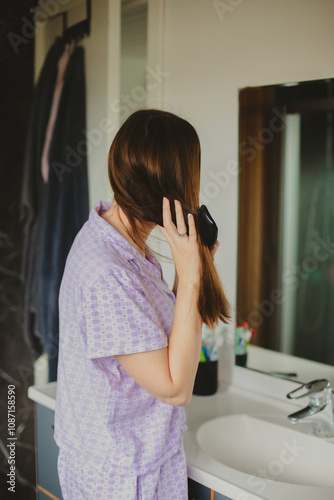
(81, 481)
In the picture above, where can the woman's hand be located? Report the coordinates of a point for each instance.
(185, 249)
(213, 251)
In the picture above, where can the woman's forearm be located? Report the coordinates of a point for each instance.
(185, 341)
(169, 373)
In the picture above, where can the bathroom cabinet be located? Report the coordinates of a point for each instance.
(47, 455)
(197, 491)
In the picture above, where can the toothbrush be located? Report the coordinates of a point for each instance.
(205, 352)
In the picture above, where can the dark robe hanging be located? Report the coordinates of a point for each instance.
(53, 213)
(66, 206)
(33, 191)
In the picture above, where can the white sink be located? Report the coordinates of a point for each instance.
(266, 450)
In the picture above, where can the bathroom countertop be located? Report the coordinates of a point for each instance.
(45, 395)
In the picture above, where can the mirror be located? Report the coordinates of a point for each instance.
(133, 57)
(285, 288)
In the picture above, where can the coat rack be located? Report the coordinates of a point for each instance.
(75, 32)
(79, 30)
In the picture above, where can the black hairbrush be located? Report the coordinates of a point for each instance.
(206, 226)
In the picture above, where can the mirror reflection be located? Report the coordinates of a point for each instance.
(286, 217)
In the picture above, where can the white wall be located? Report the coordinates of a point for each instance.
(210, 57)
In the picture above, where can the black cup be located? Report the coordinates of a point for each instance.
(206, 381)
(241, 359)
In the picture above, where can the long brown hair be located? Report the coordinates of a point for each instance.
(155, 154)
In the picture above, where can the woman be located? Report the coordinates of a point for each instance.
(129, 347)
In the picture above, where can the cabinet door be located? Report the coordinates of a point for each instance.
(197, 491)
(219, 496)
(47, 454)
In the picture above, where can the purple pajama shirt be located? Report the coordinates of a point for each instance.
(116, 440)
